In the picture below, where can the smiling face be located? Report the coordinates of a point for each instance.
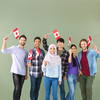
(22, 41)
(74, 50)
(60, 44)
(84, 45)
(52, 50)
(37, 43)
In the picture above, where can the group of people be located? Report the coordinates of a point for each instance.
(56, 66)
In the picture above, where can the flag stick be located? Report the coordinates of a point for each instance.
(92, 42)
(9, 33)
(49, 33)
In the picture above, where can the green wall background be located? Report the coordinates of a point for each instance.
(78, 18)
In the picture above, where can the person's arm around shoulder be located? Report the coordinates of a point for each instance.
(45, 46)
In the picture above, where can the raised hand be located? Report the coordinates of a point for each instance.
(46, 36)
(5, 39)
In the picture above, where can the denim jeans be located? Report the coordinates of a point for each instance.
(48, 82)
(35, 86)
(62, 90)
(72, 81)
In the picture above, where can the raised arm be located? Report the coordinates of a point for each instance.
(70, 55)
(4, 49)
(4, 43)
(45, 46)
(95, 48)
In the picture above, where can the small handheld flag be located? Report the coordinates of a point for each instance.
(16, 33)
(56, 34)
(30, 57)
(69, 41)
(89, 40)
(37, 52)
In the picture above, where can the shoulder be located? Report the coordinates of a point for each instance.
(79, 52)
(91, 51)
(66, 52)
(42, 50)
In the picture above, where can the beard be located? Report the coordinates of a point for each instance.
(22, 44)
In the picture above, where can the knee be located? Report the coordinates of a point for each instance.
(88, 88)
(71, 92)
(17, 88)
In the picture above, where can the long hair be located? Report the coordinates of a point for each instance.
(73, 59)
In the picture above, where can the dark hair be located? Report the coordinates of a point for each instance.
(22, 36)
(37, 38)
(83, 40)
(60, 40)
(73, 59)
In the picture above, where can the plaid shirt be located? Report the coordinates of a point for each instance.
(64, 58)
(35, 70)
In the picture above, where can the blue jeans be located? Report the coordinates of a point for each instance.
(48, 82)
(62, 90)
(72, 81)
(35, 86)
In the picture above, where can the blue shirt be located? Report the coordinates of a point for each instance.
(92, 56)
(54, 72)
(19, 57)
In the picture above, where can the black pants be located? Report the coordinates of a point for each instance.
(18, 83)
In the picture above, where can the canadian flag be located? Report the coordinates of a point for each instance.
(30, 57)
(37, 52)
(16, 33)
(56, 34)
(89, 40)
(69, 41)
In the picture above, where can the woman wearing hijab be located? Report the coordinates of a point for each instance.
(52, 71)
(72, 72)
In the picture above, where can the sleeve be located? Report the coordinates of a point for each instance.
(43, 54)
(60, 74)
(7, 50)
(26, 59)
(45, 46)
(66, 65)
(79, 60)
(43, 69)
(95, 54)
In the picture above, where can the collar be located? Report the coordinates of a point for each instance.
(87, 51)
(63, 49)
(20, 48)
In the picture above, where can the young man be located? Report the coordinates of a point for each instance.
(35, 68)
(64, 61)
(19, 65)
(88, 62)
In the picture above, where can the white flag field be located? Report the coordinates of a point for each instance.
(16, 33)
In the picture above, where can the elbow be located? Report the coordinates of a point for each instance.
(3, 51)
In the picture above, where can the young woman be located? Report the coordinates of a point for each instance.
(52, 71)
(72, 72)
